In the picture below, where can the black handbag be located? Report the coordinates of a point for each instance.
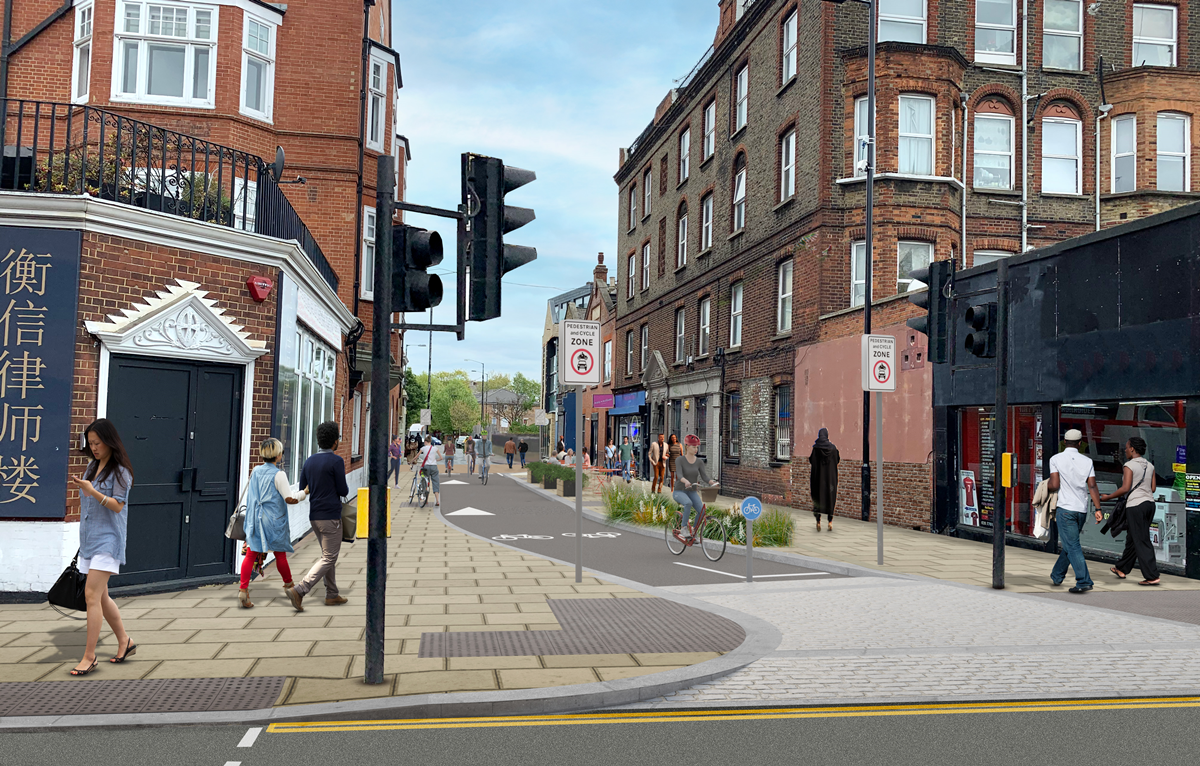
(67, 592)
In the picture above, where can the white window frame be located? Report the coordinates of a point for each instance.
(631, 280)
(1187, 148)
(647, 191)
(367, 289)
(858, 262)
(885, 16)
(790, 40)
(787, 165)
(681, 254)
(646, 266)
(1078, 157)
(1066, 34)
(633, 206)
(997, 57)
(739, 200)
(705, 326)
(742, 90)
(377, 103)
(356, 429)
(685, 154)
(608, 350)
(988, 256)
(991, 152)
(680, 334)
(81, 61)
(710, 129)
(706, 222)
(1115, 154)
(736, 297)
(931, 136)
(267, 59)
(861, 135)
(783, 302)
(903, 283)
(1172, 43)
(142, 39)
(629, 353)
(645, 345)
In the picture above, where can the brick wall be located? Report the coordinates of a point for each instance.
(907, 491)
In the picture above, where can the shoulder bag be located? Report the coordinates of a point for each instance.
(67, 592)
(236, 528)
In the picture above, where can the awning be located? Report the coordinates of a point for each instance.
(628, 404)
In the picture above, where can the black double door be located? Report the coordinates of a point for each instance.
(181, 424)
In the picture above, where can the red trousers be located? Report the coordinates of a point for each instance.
(281, 563)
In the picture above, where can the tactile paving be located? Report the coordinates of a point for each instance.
(120, 696)
(11, 695)
(598, 626)
(124, 696)
(248, 693)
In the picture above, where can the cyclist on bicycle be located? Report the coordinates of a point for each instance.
(691, 470)
(427, 462)
(484, 451)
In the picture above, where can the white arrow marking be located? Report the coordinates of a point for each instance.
(469, 511)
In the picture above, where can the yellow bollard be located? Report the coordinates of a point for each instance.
(364, 504)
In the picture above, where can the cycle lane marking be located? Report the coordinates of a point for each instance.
(250, 736)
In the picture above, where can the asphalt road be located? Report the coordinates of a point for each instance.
(814, 738)
(520, 517)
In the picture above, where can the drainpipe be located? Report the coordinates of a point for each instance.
(1104, 109)
(1024, 125)
(963, 219)
(8, 13)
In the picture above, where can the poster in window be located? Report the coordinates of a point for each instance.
(968, 498)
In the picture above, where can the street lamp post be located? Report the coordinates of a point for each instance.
(427, 382)
(482, 391)
(869, 255)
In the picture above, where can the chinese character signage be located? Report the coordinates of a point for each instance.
(39, 281)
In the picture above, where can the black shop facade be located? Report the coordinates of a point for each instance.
(1104, 336)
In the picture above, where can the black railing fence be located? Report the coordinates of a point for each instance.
(57, 148)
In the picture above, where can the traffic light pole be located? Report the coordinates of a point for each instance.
(459, 215)
(999, 508)
(377, 476)
(869, 266)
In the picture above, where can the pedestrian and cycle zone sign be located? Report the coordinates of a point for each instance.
(579, 352)
(878, 363)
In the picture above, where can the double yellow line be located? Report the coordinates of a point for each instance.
(764, 714)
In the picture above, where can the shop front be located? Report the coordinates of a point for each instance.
(628, 418)
(1104, 340)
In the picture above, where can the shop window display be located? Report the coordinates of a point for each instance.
(976, 469)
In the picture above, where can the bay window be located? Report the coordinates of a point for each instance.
(916, 135)
(1124, 153)
(166, 54)
(861, 134)
(1174, 155)
(910, 257)
(258, 68)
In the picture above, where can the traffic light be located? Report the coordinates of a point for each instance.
(981, 322)
(414, 251)
(485, 181)
(937, 305)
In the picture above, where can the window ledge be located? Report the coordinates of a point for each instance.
(736, 234)
(632, 229)
(680, 268)
(781, 336)
(368, 297)
(707, 160)
(1056, 195)
(704, 252)
(777, 463)
(701, 356)
(901, 177)
(853, 309)
(734, 349)
(683, 183)
(734, 135)
(1076, 72)
(1149, 192)
(997, 65)
(146, 101)
(984, 191)
(646, 217)
(786, 85)
(783, 204)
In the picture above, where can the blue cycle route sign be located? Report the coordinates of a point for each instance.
(751, 508)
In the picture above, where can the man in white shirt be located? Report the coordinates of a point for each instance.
(1074, 478)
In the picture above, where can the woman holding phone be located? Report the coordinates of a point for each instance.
(103, 519)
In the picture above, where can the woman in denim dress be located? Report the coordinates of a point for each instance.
(267, 526)
(103, 518)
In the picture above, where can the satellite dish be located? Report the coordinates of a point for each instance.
(277, 166)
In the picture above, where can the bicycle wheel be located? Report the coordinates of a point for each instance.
(485, 473)
(412, 493)
(713, 539)
(423, 492)
(673, 532)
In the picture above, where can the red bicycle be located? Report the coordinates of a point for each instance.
(709, 532)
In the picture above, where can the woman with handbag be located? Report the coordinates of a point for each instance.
(266, 525)
(1138, 485)
(103, 519)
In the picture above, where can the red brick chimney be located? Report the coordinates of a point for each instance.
(600, 275)
(727, 20)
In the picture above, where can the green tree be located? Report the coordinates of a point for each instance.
(415, 387)
(529, 390)
(463, 415)
(446, 393)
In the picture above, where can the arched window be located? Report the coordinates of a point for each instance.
(1062, 149)
(994, 144)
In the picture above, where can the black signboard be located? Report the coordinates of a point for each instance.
(39, 291)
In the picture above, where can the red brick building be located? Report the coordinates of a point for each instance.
(211, 303)
(741, 217)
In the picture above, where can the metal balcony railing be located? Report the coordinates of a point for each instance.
(56, 148)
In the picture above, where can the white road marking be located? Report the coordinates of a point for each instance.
(233, 763)
(469, 511)
(793, 574)
(742, 577)
(453, 481)
(251, 735)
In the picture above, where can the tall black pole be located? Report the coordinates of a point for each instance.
(429, 378)
(483, 396)
(1000, 506)
(377, 476)
(869, 266)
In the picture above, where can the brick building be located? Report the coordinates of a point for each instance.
(572, 304)
(203, 300)
(597, 400)
(741, 216)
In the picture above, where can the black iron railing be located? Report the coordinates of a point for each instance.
(57, 148)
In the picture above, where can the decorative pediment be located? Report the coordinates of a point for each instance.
(656, 370)
(178, 322)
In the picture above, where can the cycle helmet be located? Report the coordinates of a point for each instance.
(691, 440)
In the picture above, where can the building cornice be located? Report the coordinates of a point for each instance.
(97, 216)
(942, 51)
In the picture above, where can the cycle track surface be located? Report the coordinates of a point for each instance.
(521, 518)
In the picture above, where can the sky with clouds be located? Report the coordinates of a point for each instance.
(555, 86)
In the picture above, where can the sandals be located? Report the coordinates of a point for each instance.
(1120, 575)
(78, 672)
(130, 649)
(1150, 582)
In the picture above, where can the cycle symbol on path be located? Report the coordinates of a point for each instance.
(589, 535)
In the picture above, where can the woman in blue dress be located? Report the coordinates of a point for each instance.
(267, 526)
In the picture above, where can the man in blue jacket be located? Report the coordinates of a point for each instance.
(324, 478)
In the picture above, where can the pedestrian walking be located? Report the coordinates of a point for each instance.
(610, 455)
(626, 460)
(324, 478)
(411, 447)
(427, 463)
(1073, 476)
(522, 448)
(396, 454)
(1138, 485)
(510, 451)
(448, 454)
(268, 530)
(658, 465)
(103, 522)
(823, 477)
(469, 448)
(674, 450)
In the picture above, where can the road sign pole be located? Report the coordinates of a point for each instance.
(879, 476)
(1000, 502)
(578, 484)
(749, 550)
